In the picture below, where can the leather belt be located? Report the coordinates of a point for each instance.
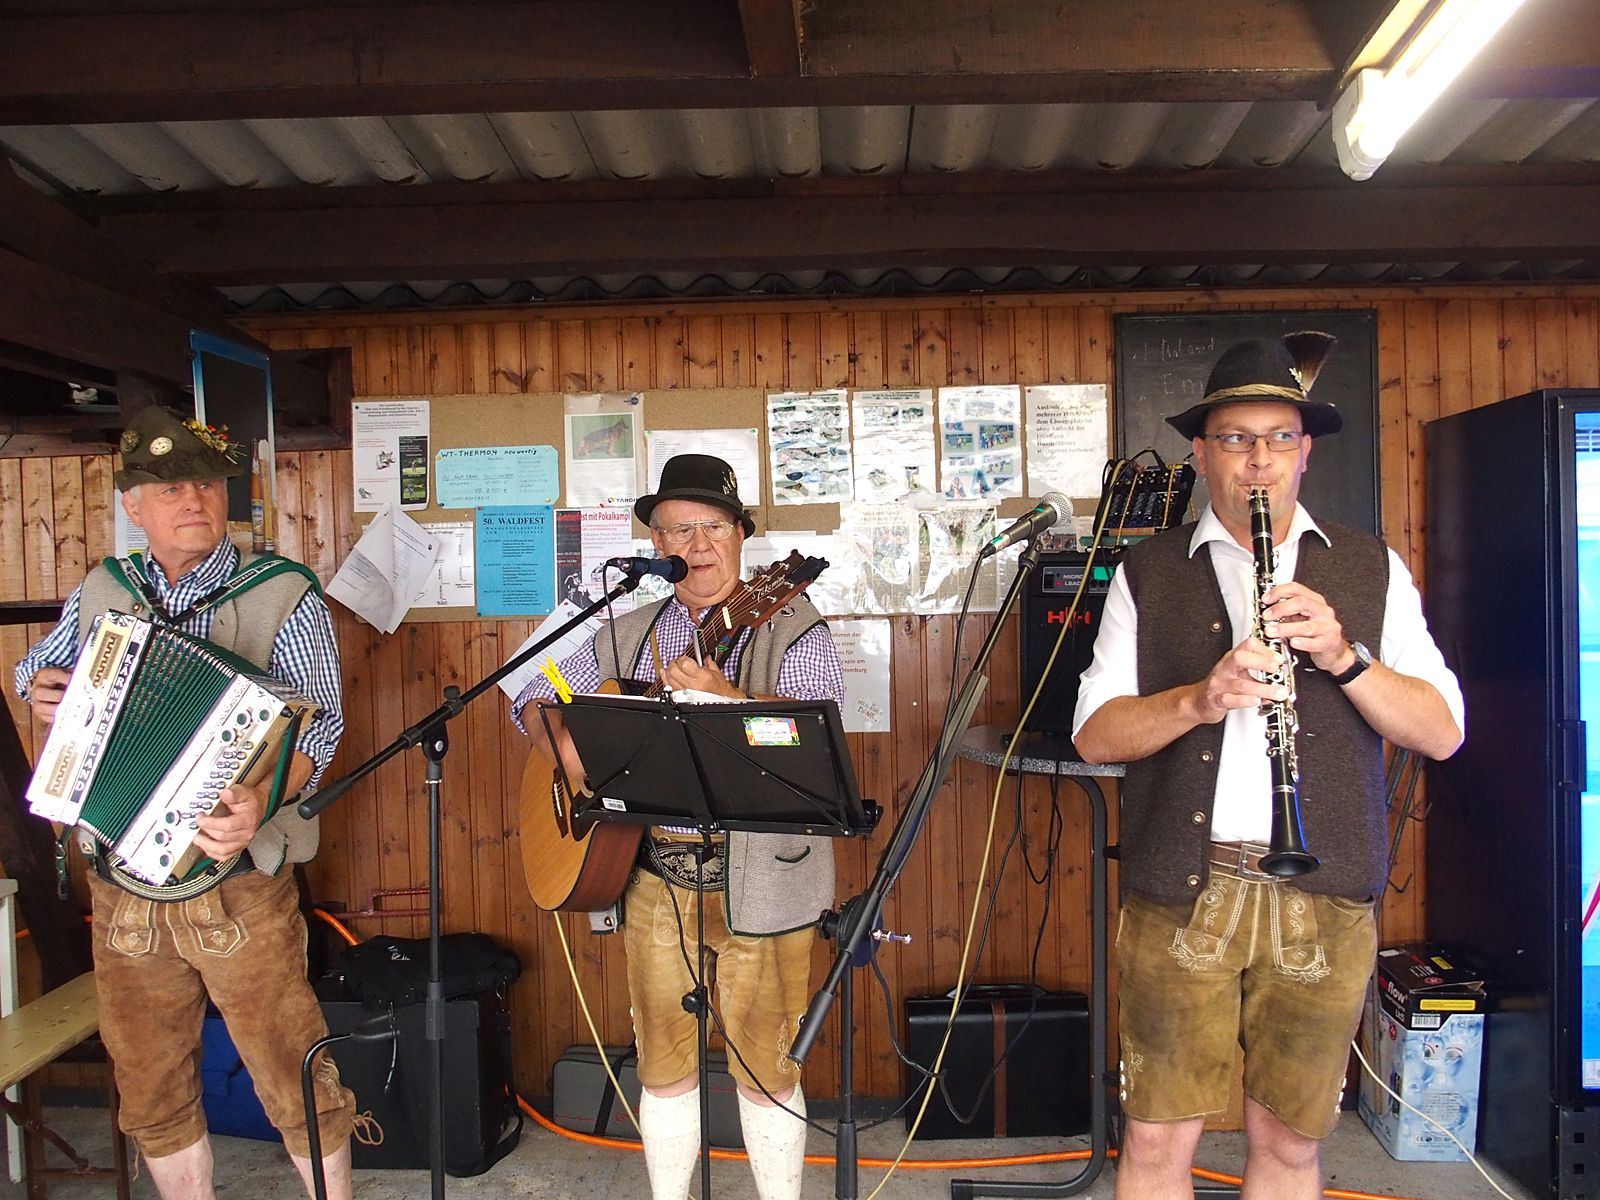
(1242, 859)
(673, 859)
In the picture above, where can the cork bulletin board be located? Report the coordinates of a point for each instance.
(538, 419)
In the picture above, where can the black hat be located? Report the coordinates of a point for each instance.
(702, 477)
(158, 446)
(1264, 369)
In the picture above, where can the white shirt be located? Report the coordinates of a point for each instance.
(1243, 806)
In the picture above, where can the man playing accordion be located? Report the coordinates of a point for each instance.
(243, 941)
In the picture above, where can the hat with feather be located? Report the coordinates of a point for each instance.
(1281, 370)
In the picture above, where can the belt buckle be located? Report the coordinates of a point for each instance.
(1237, 860)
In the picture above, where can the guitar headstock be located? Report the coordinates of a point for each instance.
(753, 601)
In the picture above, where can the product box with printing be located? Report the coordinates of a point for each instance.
(1423, 1035)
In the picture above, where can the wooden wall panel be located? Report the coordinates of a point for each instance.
(1439, 350)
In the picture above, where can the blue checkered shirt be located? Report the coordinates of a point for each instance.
(304, 654)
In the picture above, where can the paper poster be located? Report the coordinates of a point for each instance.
(950, 538)
(895, 452)
(389, 453)
(864, 651)
(1067, 446)
(603, 445)
(739, 448)
(879, 543)
(514, 553)
(386, 571)
(485, 476)
(980, 441)
(809, 437)
(585, 539)
(451, 583)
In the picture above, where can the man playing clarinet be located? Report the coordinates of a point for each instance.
(1213, 950)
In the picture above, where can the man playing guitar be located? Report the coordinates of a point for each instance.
(762, 892)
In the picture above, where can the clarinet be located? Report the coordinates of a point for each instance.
(1287, 854)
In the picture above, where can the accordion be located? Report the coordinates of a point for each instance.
(153, 726)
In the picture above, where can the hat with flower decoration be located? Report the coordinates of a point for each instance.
(158, 446)
(1280, 369)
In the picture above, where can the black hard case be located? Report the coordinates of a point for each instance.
(1042, 1088)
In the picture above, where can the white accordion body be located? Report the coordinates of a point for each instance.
(153, 726)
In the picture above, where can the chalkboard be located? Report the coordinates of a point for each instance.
(1162, 363)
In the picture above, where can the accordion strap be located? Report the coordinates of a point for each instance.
(130, 573)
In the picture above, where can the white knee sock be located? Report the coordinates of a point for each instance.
(776, 1143)
(670, 1126)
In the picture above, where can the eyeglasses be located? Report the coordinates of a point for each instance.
(682, 533)
(1279, 441)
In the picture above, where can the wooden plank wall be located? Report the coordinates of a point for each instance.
(1440, 351)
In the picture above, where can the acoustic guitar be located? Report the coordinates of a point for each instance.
(577, 864)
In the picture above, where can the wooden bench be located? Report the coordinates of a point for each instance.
(33, 1037)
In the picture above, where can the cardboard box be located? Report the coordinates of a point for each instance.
(1423, 1035)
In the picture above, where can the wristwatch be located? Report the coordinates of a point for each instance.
(1362, 662)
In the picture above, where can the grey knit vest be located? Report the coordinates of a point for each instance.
(776, 882)
(1167, 798)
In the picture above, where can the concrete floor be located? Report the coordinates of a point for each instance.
(554, 1168)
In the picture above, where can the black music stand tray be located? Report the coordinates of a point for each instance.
(778, 766)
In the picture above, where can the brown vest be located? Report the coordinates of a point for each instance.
(1167, 798)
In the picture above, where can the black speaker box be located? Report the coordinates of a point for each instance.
(1041, 1088)
(1044, 612)
(390, 1082)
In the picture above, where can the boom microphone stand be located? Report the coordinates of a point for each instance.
(429, 733)
(856, 927)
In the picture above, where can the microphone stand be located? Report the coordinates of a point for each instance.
(429, 733)
(856, 927)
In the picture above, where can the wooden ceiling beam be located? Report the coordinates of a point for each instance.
(243, 61)
(64, 264)
(1315, 217)
(771, 38)
(51, 311)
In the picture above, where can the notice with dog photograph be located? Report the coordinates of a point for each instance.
(604, 439)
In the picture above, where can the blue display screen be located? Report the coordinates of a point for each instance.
(1588, 596)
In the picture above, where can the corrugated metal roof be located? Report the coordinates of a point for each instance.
(723, 144)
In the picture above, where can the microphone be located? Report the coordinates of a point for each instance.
(1052, 509)
(672, 568)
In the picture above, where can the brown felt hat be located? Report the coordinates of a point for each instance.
(158, 446)
(1268, 369)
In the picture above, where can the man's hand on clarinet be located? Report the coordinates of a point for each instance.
(230, 828)
(1232, 683)
(45, 692)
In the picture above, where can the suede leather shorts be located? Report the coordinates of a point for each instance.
(763, 985)
(1252, 963)
(244, 944)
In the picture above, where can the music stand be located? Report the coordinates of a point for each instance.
(778, 766)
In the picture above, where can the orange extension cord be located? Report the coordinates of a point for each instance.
(934, 1164)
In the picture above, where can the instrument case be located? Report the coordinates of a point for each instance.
(1042, 1087)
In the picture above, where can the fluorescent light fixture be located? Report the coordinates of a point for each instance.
(1378, 106)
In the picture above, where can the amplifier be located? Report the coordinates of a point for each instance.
(1044, 611)
(1041, 1089)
